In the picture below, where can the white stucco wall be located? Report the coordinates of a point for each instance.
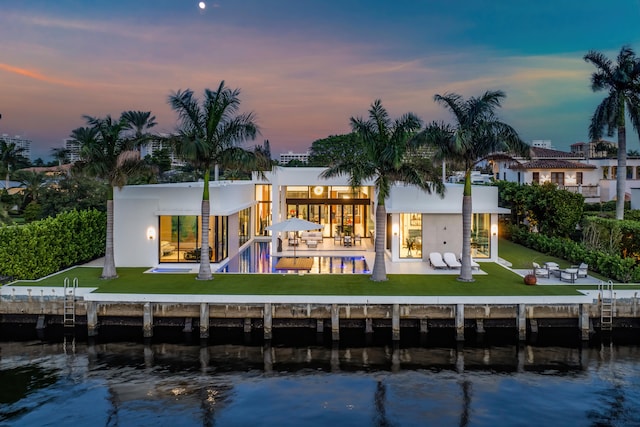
(484, 199)
(138, 207)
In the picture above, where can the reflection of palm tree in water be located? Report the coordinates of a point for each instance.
(380, 418)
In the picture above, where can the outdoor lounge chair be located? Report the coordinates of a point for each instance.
(436, 261)
(583, 270)
(540, 271)
(474, 265)
(451, 260)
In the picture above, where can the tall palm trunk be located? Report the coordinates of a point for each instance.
(109, 267)
(379, 273)
(205, 264)
(621, 176)
(465, 269)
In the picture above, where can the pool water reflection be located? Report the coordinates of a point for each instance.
(256, 258)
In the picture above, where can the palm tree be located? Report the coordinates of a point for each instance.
(11, 158)
(108, 155)
(477, 136)
(206, 134)
(60, 154)
(384, 159)
(32, 184)
(622, 81)
(140, 123)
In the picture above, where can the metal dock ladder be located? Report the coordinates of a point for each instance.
(607, 305)
(69, 311)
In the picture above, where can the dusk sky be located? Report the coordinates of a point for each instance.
(305, 67)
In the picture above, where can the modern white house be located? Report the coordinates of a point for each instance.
(158, 224)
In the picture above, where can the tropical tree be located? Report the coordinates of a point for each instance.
(386, 146)
(331, 149)
(207, 133)
(478, 135)
(61, 155)
(108, 154)
(11, 158)
(622, 81)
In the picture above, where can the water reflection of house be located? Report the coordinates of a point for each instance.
(159, 224)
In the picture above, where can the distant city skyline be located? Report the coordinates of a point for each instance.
(305, 68)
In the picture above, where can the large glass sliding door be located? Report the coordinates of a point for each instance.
(180, 238)
(340, 210)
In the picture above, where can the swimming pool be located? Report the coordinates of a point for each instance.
(256, 258)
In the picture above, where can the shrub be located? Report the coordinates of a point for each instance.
(43, 247)
(614, 266)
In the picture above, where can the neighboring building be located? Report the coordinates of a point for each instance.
(593, 150)
(165, 226)
(158, 144)
(593, 177)
(20, 142)
(287, 157)
(542, 143)
(73, 150)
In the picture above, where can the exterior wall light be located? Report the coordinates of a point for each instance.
(151, 233)
(395, 229)
(494, 229)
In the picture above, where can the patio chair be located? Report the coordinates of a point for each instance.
(539, 271)
(357, 239)
(583, 270)
(451, 260)
(436, 261)
(474, 265)
(336, 239)
(553, 267)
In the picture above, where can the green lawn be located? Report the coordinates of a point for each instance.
(498, 281)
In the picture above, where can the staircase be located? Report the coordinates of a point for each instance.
(69, 312)
(607, 305)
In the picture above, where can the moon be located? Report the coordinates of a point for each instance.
(202, 5)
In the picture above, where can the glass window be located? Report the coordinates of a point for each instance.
(557, 178)
(263, 209)
(411, 235)
(244, 219)
(480, 241)
(180, 238)
(578, 178)
(629, 172)
(536, 177)
(605, 172)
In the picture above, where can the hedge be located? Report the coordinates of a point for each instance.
(609, 265)
(44, 247)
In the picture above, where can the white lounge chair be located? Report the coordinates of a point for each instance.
(451, 260)
(436, 261)
(540, 271)
(474, 264)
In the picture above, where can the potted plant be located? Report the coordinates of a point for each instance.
(411, 242)
(530, 279)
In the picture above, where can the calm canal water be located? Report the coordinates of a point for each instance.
(72, 381)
